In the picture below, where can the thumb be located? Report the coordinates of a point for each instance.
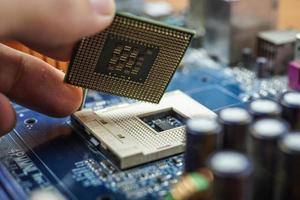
(49, 24)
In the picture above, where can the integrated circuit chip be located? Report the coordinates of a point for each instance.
(138, 133)
(135, 57)
(164, 120)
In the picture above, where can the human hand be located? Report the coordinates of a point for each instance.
(51, 27)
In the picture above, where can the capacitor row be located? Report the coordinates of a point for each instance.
(244, 154)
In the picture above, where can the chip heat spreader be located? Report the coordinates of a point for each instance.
(134, 57)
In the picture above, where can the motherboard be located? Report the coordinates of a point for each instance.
(49, 157)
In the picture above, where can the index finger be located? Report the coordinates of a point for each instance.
(35, 84)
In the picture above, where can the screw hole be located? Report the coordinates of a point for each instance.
(30, 121)
(106, 198)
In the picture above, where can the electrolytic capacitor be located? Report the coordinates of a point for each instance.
(235, 123)
(232, 176)
(290, 103)
(265, 135)
(262, 67)
(264, 108)
(202, 139)
(288, 175)
(247, 58)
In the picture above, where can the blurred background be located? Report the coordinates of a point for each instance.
(192, 14)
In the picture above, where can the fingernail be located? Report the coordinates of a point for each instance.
(103, 7)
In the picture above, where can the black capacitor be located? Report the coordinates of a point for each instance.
(262, 67)
(264, 108)
(265, 135)
(288, 174)
(232, 176)
(202, 139)
(235, 123)
(247, 58)
(290, 103)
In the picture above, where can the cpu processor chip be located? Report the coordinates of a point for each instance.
(139, 133)
(134, 57)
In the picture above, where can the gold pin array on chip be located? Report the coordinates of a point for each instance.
(134, 57)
